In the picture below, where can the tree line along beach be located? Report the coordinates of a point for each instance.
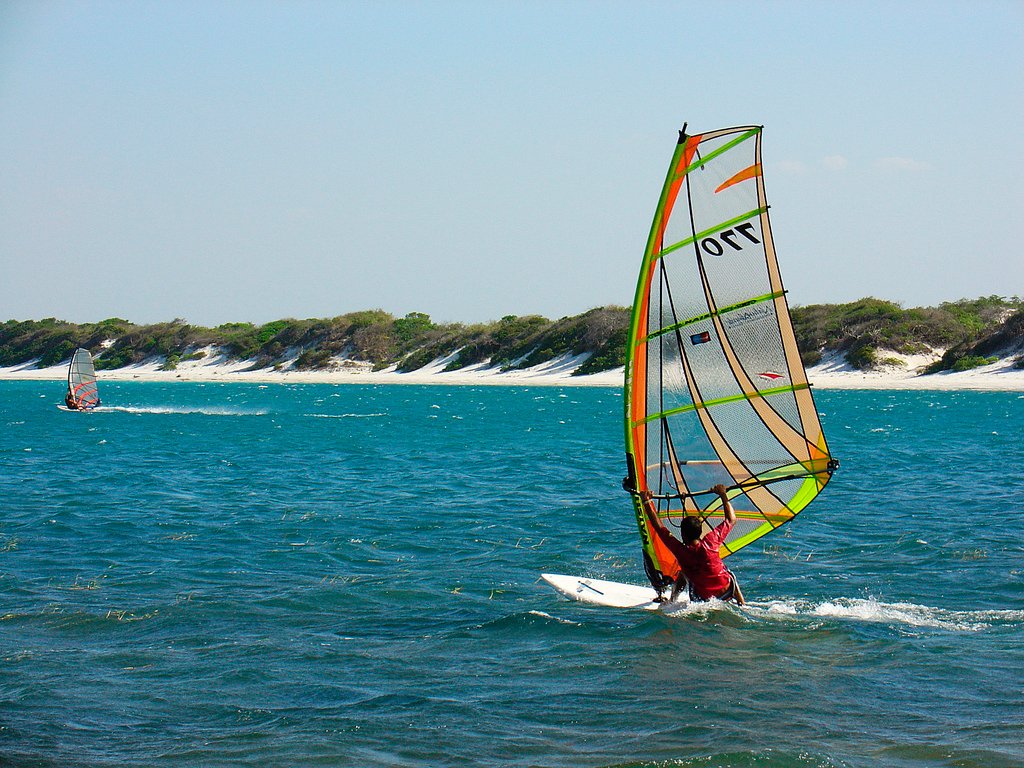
(870, 343)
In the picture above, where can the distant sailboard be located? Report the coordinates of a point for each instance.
(83, 392)
(715, 392)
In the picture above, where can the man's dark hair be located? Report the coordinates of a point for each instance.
(690, 529)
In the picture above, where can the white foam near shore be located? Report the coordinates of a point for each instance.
(214, 368)
(900, 372)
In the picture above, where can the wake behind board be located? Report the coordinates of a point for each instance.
(610, 593)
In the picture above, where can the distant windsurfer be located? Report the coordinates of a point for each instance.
(697, 553)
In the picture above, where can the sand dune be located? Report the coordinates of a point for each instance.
(831, 373)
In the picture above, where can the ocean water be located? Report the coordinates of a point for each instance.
(243, 575)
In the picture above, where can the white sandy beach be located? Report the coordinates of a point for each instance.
(836, 373)
(829, 374)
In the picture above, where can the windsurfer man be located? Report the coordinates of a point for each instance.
(71, 401)
(697, 553)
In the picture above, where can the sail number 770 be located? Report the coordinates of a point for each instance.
(713, 245)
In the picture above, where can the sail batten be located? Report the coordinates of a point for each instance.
(720, 227)
(723, 401)
(714, 387)
(703, 160)
(720, 311)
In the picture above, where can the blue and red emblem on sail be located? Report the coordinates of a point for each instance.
(700, 338)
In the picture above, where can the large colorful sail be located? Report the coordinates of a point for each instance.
(82, 380)
(715, 390)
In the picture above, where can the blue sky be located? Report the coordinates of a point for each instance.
(248, 161)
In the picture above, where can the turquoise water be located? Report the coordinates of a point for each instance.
(241, 575)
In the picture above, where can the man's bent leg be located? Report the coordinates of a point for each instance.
(737, 593)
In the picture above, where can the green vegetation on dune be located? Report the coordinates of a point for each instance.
(372, 336)
(862, 330)
(991, 341)
(867, 332)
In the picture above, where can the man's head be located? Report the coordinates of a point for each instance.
(690, 529)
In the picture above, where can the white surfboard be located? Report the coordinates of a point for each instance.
(611, 593)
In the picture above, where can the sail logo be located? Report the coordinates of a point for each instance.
(770, 376)
(700, 338)
(762, 313)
